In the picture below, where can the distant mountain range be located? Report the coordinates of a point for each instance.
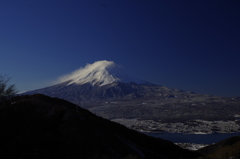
(106, 90)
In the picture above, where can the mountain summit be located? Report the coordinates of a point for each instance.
(101, 73)
(95, 82)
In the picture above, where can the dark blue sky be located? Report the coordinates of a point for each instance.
(188, 45)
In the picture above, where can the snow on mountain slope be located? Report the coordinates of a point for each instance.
(100, 73)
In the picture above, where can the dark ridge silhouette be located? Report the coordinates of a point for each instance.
(38, 126)
(226, 149)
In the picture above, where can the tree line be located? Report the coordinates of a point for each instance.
(6, 91)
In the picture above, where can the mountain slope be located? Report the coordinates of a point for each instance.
(229, 148)
(106, 90)
(38, 126)
(100, 80)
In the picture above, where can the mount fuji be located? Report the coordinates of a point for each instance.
(106, 90)
(94, 82)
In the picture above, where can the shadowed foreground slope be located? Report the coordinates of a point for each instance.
(226, 149)
(39, 126)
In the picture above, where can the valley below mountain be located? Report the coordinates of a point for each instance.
(190, 127)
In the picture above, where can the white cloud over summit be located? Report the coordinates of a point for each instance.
(100, 72)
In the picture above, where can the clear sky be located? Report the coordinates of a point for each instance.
(192, 45)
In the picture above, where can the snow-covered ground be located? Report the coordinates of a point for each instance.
(191, 146)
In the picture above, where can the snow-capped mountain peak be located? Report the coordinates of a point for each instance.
(101, 73)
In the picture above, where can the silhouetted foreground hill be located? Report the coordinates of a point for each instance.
(226, 149)
(39, 126)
